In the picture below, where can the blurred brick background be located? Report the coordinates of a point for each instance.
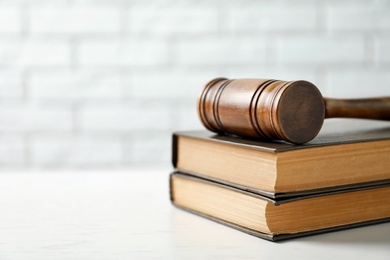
(103, 83)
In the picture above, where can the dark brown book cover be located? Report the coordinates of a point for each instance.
(277, 237)
(334, 132)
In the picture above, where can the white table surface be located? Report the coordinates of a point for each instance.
(128, 215)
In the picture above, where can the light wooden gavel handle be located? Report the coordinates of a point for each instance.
(369, 108)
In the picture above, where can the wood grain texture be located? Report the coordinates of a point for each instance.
(262, 108)
(267, 109)
(370, 108)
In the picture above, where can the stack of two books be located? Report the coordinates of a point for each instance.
(276, 190)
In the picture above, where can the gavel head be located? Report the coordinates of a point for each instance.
(264, 109)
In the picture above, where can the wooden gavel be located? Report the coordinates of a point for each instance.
(267, 109)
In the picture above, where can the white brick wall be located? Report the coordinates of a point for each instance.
(359, 83)
(149, 150)
(81, 84)
(218, 51)
(10, 21)
(271, 17)
(34, 53)
(321, 50)
(132, 52)
(75, 20)
(124, 118)
(360, 16)
(12, 151)
(383, 50)
(168, 83)
(11, 84)
(104, 83)
(29, 118)
(184, 17)
(76, 151)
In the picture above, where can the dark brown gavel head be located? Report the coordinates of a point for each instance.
(265, 109)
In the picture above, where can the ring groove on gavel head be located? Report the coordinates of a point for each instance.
(264, 109)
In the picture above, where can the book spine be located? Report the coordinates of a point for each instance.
(174, 149)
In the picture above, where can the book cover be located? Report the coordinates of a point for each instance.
(373, 210)
(346, 153)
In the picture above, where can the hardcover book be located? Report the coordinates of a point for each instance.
(279, 219)
(346, 153)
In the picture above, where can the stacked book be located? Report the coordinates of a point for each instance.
(279, 190)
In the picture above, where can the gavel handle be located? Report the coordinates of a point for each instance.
(369, 108)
